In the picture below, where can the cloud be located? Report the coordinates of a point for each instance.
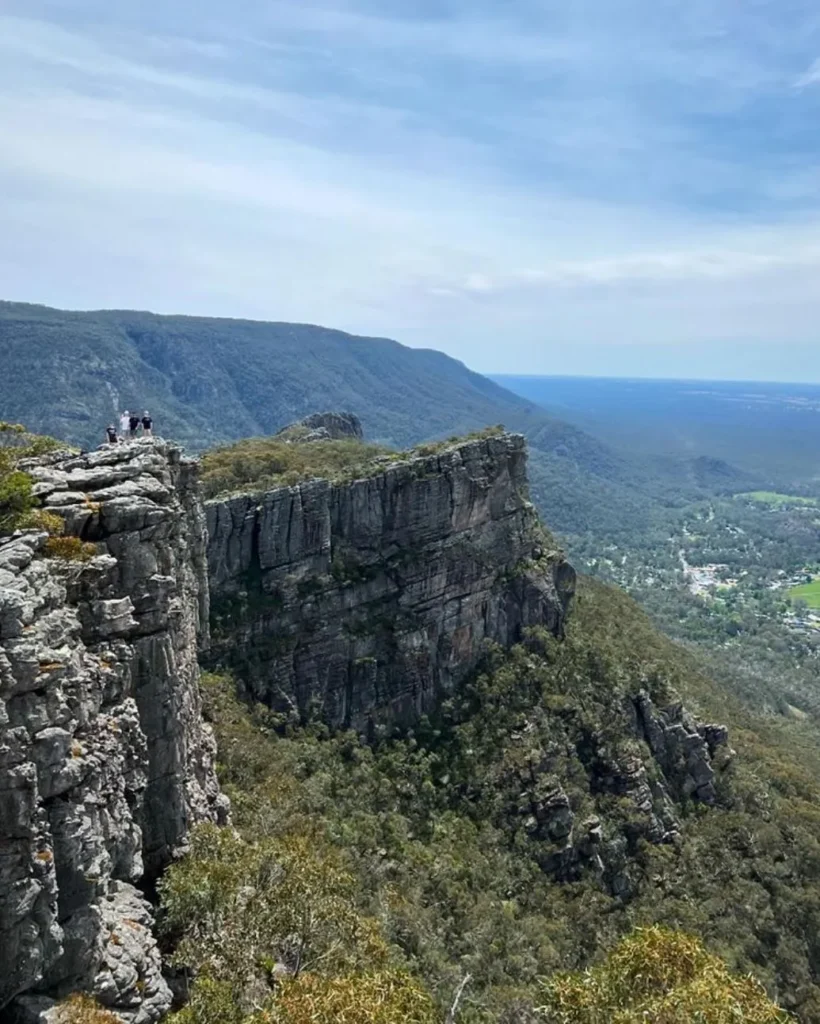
(809, 77)
(682, 266)
(554, 175)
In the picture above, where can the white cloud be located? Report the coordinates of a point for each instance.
(544, 178)
(809, 77)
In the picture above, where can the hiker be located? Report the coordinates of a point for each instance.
(147, 424)
(111, 431)
(133, 423)
(124, 420)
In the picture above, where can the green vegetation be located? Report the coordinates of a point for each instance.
(80, 1009)
(438, 862)
(273, 928)
(262, 463)
(210, 382)
(808, 592)
(774, 498)
(18, 507)
(659, 976)
(70, 549)
(383, 997)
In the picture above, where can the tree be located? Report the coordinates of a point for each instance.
(271, 928)
(661, 976)
(17, 502)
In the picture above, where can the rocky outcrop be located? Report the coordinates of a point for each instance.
(650, 757)
(324, 426)
(686, 750)
(367, 602)
(105, 762)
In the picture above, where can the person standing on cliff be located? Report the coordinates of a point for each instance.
(124, 424)
(147, 424)
(111, 433)
(133, 424)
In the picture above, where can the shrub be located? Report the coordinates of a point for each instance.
(81, 1009)
(39, 519)
(661, 976)
(239, 910)
(265, 462)
(262, 463)
(385, 997)
(16, 499)
(71, 549)
(17, 503)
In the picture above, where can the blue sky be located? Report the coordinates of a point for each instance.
(619, 186)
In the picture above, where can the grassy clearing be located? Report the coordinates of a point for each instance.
(774, 498)
(808, 592)
(263, 463)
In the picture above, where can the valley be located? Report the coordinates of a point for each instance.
(467, 762)
(409, 512)
(732, 571)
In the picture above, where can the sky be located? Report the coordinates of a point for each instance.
(618, 187)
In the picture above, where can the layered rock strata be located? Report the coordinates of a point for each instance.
(105, 762)
(367, 602)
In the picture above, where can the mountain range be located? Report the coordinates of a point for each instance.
(209, 381)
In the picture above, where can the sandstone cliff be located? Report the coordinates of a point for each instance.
(104, 759)
(366, 602)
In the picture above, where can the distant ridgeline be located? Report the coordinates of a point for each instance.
(211, 381)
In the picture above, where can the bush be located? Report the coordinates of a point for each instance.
(386, 997)
(81, 1009)
(16, 499)
(661, 976)
(71, 549)
(39, 519)
(242, 913)
(262, 463)
(17, 503)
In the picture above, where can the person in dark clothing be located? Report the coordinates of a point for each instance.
(133, 424)
(111, 431)
(147, 424)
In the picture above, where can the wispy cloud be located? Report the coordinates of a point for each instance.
(571, 174)
(809, 77)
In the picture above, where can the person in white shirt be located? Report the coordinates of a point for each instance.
(124, 423)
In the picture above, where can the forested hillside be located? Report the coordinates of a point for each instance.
(208, 381)
(441, 853)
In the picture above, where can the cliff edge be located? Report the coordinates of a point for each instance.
(366, 602)
(105, 761)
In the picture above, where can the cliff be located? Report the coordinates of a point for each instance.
(104, 758)
(366, 602)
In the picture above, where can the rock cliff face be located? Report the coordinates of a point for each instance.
(366, 602)
(104, 758)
